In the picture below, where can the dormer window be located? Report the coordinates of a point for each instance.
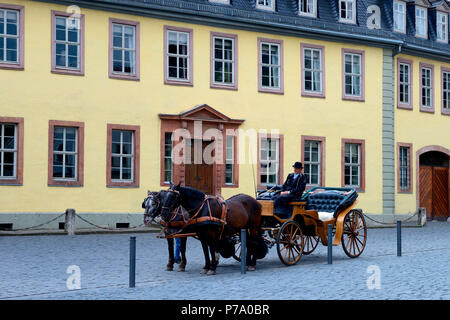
(399, 16)
(265, 5)
(347, 11)
(308, 8)
(442, 26)
(421, 22)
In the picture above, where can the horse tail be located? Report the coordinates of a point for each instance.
(254, 218)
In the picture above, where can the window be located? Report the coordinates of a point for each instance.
(311, 161)
(270, 70)
(404, 69)
(124, 47)
(123, 156)
(308, 8)
(442, 26)
(66, 153)
(229, 160)
(426, 88)
(421, 22)
(168, 162)
(353, 163)
(353, 75)
(312, 71)
(11, 151)
(445, 91)
(178, 52)
(67, 43)
(404, 167)
(400, 16)
(11, 36)
(265, 4)
(347, 11)
(269, 161)
(223, 61)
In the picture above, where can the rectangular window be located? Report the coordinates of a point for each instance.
(269, 161)
(312, 71)
(445, 75)
(404, 168)
(265, 4)
(400, 16)
(442, 26)
(223, 61)
(270, 70)
(11, 36)
(178, 56)
(8, 151)
(347, 11)
(353, 164)
(404, 84)
(312, 163)
(65, 153)
(123, 152)
(308, 8)
(421, 22)
(426, 88)
(353, 75)
(229, 160)
(168, 161)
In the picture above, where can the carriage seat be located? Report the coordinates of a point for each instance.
(329, 202)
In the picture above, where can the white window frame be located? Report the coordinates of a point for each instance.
(353, 75)
(6, 36)
(3, 150)
(266, 5)
(348, 19)
(402, 14)
(178, 56)
(307, 14)
(64, 153)
(223, 61)
(439, 25)
(122, 48)
(423, 19)
(229, 158)
(77, 23)
(270, 65)
(122, 155)
(311, 163)
(267, 161)
(351, 164)
(313, 70)
(166, 157)
(404, 169)
(427, 90)
(406, 84)
(446, 91)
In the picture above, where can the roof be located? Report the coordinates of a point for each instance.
(285, 20)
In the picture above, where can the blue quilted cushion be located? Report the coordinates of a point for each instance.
(329, 201)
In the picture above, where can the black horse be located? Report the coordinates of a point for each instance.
(242, 212)
(152, 206)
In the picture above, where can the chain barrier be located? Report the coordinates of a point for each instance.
(391, 223)
(39, 225)
(106, 228)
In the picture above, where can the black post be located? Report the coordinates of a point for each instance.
(399, 238)
(243, 250)
(330, 244)
(132, 261)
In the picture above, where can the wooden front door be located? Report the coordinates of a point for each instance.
(199, 175)
(434, 191)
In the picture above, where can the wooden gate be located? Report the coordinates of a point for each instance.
(199, 175)
(434, 191)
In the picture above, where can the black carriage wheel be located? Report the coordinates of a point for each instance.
(237, 252)
(290, 243)
(311, 243)
(355, 234)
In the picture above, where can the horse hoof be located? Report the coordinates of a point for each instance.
(211, 272)
(169, 268)
(250, 268)
(204, 271)
(181, 269)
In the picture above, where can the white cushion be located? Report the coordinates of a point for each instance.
(324, 216)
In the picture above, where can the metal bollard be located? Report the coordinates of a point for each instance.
(69, 224)
(132, 262)
(243, 250)
(399, 238)
(330, 244)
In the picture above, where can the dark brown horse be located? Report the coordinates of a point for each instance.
(205, 213)
(152, 206)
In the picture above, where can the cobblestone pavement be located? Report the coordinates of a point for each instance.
(34, 267)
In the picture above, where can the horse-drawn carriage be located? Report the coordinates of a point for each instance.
(299, 229)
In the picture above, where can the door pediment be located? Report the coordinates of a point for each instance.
(203, 113)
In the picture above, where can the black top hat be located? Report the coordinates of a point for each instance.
(298, 165)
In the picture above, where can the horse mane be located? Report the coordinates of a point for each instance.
(192, 193)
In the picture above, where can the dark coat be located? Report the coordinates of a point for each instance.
(295, 186)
